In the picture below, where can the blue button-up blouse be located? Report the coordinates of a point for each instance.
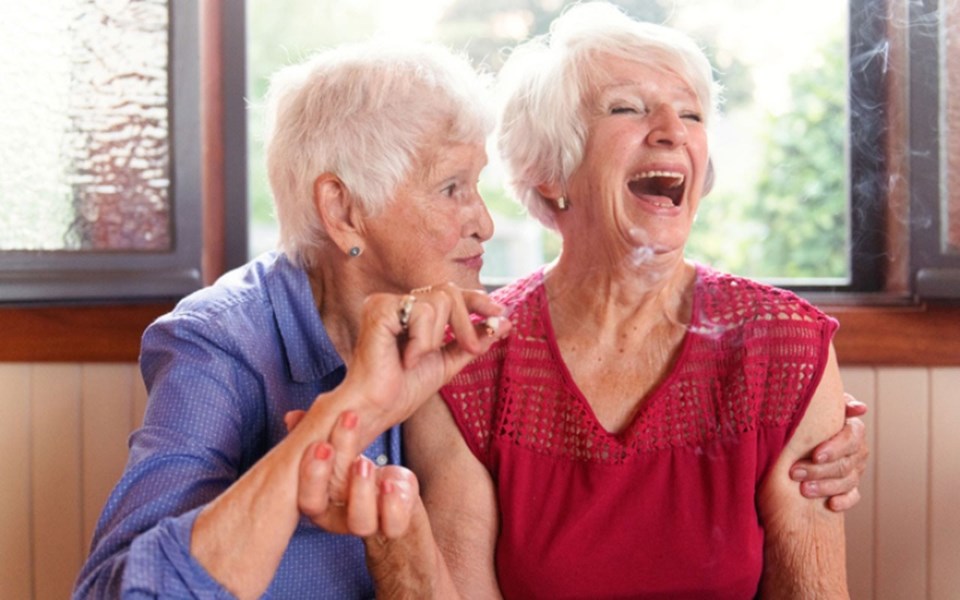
(221, 370)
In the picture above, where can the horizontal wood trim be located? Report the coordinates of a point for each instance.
(918, 335)
(909, 335)
(75, 334)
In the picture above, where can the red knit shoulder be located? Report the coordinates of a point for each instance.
(779, 340)
(729, 301)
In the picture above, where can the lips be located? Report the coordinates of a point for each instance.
(472, 262)
(660, 187)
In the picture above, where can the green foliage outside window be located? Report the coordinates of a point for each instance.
(783, 215)
(795, 223)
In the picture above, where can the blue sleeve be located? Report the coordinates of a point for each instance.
(203, 404)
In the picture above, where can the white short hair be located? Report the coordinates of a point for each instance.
(362, 111)
(543, 83)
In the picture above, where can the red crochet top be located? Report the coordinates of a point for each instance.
(665, 508)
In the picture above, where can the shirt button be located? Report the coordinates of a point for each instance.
(382, 460)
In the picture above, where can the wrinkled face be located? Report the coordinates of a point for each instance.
(645, 159)
(433, 230)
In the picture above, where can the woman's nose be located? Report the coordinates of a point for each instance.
(667, 128)
(483, 222)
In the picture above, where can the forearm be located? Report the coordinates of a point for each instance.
(410, 567)
(805, 560)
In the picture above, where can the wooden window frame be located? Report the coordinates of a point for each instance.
(30, 276)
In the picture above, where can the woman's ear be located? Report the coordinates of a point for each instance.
(338, 211)
(550, 191)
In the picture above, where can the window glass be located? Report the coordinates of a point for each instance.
(779, 209)
(85, 163)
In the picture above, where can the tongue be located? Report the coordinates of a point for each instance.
(654, 186)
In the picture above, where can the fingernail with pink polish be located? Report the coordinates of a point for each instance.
(349, 420)
(364, 468)
(322, 452)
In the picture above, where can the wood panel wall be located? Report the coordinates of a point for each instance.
(63, 439)
(63, 432)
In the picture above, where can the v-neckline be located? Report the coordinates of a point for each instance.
(653, 395)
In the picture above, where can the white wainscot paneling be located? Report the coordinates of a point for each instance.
(64, 429)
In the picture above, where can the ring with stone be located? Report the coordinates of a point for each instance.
(406, 307)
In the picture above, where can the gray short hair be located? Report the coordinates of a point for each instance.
(541, 131)
(361, 111)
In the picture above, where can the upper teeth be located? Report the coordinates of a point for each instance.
(677, 177)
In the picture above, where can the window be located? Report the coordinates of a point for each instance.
(808, 159)
(935, 141)
(837, 165)
(101, 157)
(898, 98)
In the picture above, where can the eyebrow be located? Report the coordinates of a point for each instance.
(684, 90)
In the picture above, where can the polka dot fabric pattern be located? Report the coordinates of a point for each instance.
(222, 370)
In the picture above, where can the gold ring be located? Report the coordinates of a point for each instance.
(422, 290)
(406, 307)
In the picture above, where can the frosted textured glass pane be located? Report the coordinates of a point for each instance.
(84, 119)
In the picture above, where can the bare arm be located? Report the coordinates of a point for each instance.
(459, 496)
(804, 554)
(409, 566)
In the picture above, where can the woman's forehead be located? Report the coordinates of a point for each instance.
(616, 75)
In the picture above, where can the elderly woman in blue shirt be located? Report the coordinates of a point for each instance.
(374, 154)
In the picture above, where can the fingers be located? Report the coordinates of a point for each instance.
(382, 500)
(844, 502)
(822, 484)
(854, 408)
(836, 468)
(379, 501)
(848, 442)
(316, 467)
(422, 317)
(427, 323)
(456, 357)
(292, 418)
(399, 492)
(362, 517)
(345, 440)
(342, 491)
(443, 305)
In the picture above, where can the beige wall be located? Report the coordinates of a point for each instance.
(63, 431)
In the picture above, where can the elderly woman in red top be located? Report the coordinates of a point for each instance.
(633, 435)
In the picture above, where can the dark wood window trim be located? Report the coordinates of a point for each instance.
(926, 335)
(907, 336)
(104, 333)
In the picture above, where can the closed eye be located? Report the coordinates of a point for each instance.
(695, 117)
(618, 110)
